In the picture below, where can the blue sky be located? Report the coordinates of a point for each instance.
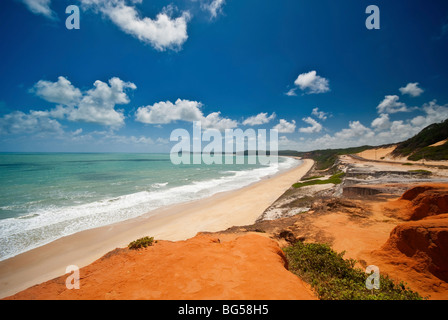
(138, 69)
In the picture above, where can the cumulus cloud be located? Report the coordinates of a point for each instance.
(381, 123)
(214, 7)
(96, 105)
(320, 114)
(285, 127)
(390, 104)
(182, 110)
(41, 7)
(314, 127)
(433, 113)
(355, 130)
(285, 143)
(60, 92)
(259, 119)
(412, 89)
(166, 112)
(163, 32)
(34, 122)
(291, 92)
(215, 121)
(311, 83)
(381, 131)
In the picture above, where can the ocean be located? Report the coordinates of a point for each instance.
(46, 196)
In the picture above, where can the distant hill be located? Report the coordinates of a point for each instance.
(415, 148)
(326, 158)
(418, 147)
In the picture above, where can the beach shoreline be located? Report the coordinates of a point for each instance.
(175, 222)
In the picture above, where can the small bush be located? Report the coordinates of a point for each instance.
(336, 278)
(141, 243)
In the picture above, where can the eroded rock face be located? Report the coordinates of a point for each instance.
(420, 202)
(425, 241)
(427, 200)
(247, 267)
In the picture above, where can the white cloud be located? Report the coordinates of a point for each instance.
(320, 114)
(167, 112)
(382, 130)
(390, 104)
(311, 83)
(131, 139)
(434, 113)
(182, 110)
(77, 132)
(214, 7)
(215, 121)
(314, 127)
(291, 92)
(162, 140)
(382, 122)
(285, 127)
(259, 119)
(356, 130)
(40, 7)
(96, 105)
(163, 32)
(285, 143)
(60, 92)
(412, 89)
(34, 122)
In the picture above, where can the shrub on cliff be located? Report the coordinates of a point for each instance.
(141, 243)
(336, 278)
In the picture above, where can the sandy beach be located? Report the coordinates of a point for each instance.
(177, 222)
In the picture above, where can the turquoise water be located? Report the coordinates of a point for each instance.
(44, 197)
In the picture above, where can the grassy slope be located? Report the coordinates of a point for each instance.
(326, 158)
(417, 147)
(335, 278)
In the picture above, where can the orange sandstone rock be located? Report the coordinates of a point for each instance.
(248, 267)
(420, 202)
(424, 243)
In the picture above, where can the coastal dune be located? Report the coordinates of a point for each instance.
(174, 223)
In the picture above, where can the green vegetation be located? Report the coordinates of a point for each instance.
(141, 243)
(326, 158)
(408, 164)
(417, 147)
(312, 178)
(336, 278)
(431, 153)
(335, 179)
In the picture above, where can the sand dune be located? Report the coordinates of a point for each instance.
(385, 154)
